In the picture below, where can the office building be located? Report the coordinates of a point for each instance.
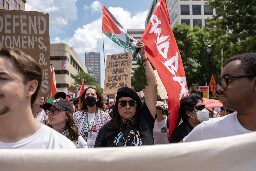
(67, 64)
(92, 62)
(12, 4)
(190, 12)
(136, 34)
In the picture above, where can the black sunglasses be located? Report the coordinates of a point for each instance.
(228, 78)
(199, 107)
(131, 103)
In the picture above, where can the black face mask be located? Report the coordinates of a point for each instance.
(90, 101)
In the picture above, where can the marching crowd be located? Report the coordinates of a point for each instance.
(28, 121)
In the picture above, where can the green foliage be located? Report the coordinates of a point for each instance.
(88, 80)
(139, 80)
(192, 44)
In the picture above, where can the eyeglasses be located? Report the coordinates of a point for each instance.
(228, 78)
(199, 107)
(123, 103)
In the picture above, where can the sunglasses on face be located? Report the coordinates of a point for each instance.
(199, 107)
(131, 103)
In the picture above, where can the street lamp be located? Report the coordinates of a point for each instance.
(209, 53)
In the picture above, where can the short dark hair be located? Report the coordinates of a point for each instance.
(26, 65)
(248, 62)
(187, 104)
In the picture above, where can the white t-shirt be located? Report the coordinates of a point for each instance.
(160, 132)
(217, 127)
(41, 117)
(44, 138)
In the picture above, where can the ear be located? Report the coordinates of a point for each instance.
(31, 87)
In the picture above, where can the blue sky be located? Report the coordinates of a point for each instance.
(78, 22)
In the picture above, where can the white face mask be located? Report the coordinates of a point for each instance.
(202, 115)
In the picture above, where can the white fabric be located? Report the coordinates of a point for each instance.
(160, 137)
(224, 154)
(81, 143)
(217, 127)
(44, 138)
(41, 117)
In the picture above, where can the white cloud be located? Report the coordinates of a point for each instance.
(89, 37)
(96, 6)
(60, 12)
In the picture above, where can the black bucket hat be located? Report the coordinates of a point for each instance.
(128, 92)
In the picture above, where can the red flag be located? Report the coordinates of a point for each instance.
(163, 53)
(213, 85)
(115, 31)
(81, 90)
(53, 81)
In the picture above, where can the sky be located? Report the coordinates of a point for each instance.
(78, 22)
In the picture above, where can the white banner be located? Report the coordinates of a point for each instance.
(225, 154)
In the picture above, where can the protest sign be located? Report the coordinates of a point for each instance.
(29, 32)
(118, 72)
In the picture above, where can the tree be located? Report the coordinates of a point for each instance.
(234, 26)
(236, 17)
(192, 44)
(88, 80)
(139, 80)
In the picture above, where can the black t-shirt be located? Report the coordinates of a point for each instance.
(128, 134)
(180, 132)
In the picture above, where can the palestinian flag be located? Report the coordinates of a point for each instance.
(114, 30)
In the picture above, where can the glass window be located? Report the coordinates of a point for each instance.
(185, 21)
(208, 10)
(197, 22)
(184, 10)
(18, 6)
(7, 6)
(2, 2)
(15, 3)
(196, 9)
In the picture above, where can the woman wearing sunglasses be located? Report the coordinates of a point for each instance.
(60, 116)
(191, 113)
(133, 121)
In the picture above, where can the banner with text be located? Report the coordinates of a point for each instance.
(118, 72)
(29, 32)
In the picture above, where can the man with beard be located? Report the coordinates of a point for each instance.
(237, 92)
(20, 80)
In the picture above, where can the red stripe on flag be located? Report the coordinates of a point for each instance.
(163, 53)
(108, 23)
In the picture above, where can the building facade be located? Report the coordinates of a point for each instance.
(190, 12)
(92, 62)
(12, 4)
(136, 34)
(66, 64)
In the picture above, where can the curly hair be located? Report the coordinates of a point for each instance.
(187, 104)
(99, 103)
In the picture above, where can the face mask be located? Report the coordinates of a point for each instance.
(90, 101)
(202, 115)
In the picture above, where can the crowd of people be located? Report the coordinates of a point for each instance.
(28, 121)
